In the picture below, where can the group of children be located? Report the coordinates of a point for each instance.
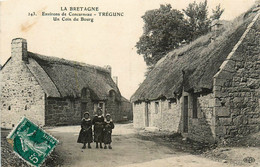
(102, 130)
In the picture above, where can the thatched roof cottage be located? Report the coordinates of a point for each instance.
(208, 90)
(54, 91)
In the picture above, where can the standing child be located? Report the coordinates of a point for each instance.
(98, 122)
(108, 126)
(85, 135)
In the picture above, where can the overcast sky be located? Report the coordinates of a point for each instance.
(106, 41)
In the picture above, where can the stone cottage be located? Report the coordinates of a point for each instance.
(54, 91)
(208, 90)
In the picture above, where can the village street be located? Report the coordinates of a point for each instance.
(128, 150)
(132, 148)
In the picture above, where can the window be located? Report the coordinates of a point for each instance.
(194, 107)
(85, 92)
(9, 107)
(169, 105)
(25, 108)
(156, 107)
(112, 95)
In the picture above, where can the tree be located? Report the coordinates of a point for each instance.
(217, 12)
(164, 29)
(197, 18)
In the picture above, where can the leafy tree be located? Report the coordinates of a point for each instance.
(165, 28)
(217, 12)
(197, 18)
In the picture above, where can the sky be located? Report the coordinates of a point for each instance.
(106, 41)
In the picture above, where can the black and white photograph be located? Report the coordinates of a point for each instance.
(133, 83)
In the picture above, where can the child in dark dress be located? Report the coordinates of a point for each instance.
(98, 122)
(85, 135)
(108, 126)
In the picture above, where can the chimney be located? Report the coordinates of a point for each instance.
(115, 79)
(108, 68)
(19, 49)
(215, 27)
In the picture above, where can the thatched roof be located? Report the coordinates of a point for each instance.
(64, 78)
(193, 66)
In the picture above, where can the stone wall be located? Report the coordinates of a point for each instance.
(166, 118)
(126, 110)
(63, 111)
(171, 116)
(201, 128)
(236, 88)
(112, 107)
(21, 94)
(156, 116)
(139, 115)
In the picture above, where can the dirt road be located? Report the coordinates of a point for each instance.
(128, 150)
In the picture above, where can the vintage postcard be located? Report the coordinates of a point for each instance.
(130, 83)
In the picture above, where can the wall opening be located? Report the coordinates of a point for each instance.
(169, 105)
(185, 114)
(194, 106)
(156, 107)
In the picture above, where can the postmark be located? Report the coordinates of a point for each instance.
(30, 142)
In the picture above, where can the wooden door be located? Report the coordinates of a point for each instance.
(185, 115)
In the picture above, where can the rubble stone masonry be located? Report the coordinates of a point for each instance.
(21, 94)
(237, 88)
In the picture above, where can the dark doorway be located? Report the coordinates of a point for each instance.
(147, 115)
(185, 115)
(83, 109)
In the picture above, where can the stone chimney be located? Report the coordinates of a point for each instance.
(19, 49)
(215, 28)
(115, 79)
(108, 68)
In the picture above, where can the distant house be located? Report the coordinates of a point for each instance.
(208, 90)
(54, 91)
(126, 109)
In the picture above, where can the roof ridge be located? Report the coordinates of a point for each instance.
(67, 62)
(229, 57)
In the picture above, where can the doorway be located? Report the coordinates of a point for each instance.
(147, 114)
(83, 109)
(185, 114)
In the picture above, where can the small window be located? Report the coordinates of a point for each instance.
(156, 107)
(84, 92)
(25, 108)
(9, 107)
(169, 105)
(112, 95)
(194, 107)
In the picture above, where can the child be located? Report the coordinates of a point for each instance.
(98, 122)
(108, 126)
(85, 135)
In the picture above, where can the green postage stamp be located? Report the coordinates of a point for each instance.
(30, 142)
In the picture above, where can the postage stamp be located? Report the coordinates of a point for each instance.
(30, 142)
